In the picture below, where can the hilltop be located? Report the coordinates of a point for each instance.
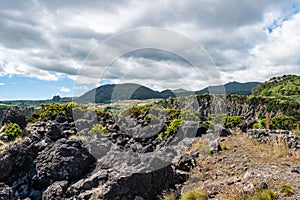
(287, 85)
(117, 92)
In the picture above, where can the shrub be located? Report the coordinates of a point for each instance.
(281, 122)
(150, 118)
(173, 113)
(286, 189)
(264, 195)
(296, 132)
(232, 121)
(195, 194)
(190, 115)
(173, 127)
(97, 129)
(135, 111)
(13, 131)
(103, 114)
(169, 196)
(208, 123)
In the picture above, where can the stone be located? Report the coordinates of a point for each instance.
(5, 192)
(214, 146)
(54, 132)
(64, 160)
(12, 115)
(56, 190)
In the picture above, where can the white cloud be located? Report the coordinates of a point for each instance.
(49, 40)
(2, 84)
(65, 90)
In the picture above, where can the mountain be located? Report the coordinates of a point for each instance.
(117, 92)
(286, 85)
(230, 88)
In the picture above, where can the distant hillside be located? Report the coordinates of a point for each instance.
(286, 85)
(117, 92)
(231, 88)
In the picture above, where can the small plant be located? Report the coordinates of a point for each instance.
(13, 131)
(103, 114)
(224, 147)
(296, 132)
(208, 123)
(173, 127)
(97, 129)
(168, 196)
(160, 137)
(264, 195)
(286, 189)
(173, 113)
(281, 122)
(135, 111)
(190, 115)
(232, 121)
(150, 118)
(195, 194)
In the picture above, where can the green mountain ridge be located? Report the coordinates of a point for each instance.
(127, 91)
(287, 85)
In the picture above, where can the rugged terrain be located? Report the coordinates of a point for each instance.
(190, 147)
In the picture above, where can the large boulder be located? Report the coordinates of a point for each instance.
(12, 115)
(17, 158)
(63, 160)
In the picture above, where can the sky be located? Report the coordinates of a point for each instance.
(59, 47)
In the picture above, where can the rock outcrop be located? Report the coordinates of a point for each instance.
(12, 115)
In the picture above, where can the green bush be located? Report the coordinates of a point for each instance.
(232, 121)
(264, 195)
(136, 110)
(190, 115)
(286, 189)
(196, 194)
(173, 113)
(103, 114)
(150, 118)
(13, 131)
(97, 129)
(208, 123)
(296, 132)
(227, 121)
(277, 123)
(173, 127)
(50, 111)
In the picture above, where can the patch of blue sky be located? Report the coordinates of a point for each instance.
(24, 88)
(287, 14)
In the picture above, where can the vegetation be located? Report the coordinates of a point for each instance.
(173, 127)
(136, 110)
(13, 131)
(97, 129)
(195, 194)
(227, 121)
(150, 118)
(190, 115)
(264, 195)
(286, 189)
(278, 123)
(286, 85)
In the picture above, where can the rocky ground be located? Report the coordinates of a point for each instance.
(245, 165)
(58, 159)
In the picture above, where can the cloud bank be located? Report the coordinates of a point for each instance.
(247, 40)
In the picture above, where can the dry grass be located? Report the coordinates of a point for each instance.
(244, 154)
(233, 194)
(168, 196)
(194, 194)
(78, 137)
